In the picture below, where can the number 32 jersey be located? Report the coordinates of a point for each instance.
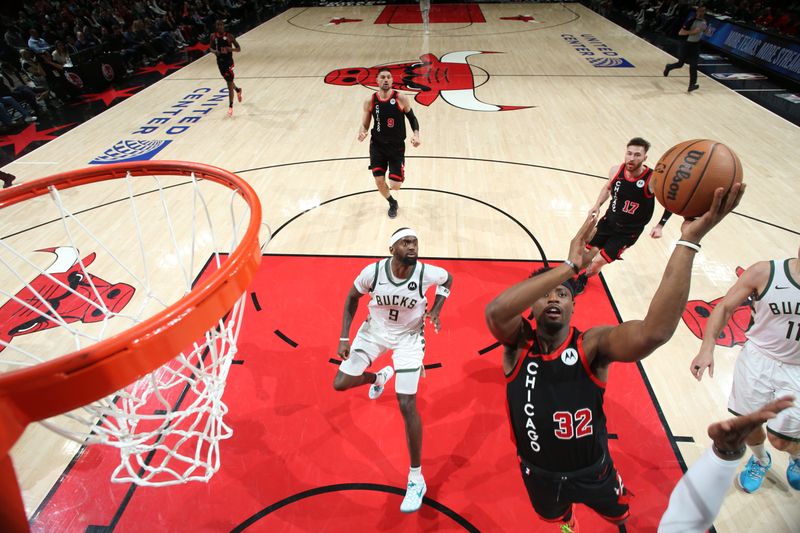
(555, 406)
(398, 306)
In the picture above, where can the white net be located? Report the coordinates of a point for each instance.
(154, 237)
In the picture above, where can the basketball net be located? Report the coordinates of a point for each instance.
(144, 261)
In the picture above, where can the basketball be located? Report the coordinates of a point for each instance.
(686, 176)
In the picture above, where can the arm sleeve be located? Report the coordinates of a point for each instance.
(363, 282)
(665, 217)
(697, 498)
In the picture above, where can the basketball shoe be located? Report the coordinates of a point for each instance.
(230, 111)
(753, 474)
(413, 498)
(382, 377)
(793, 473)
(571, 526)
(239, 94)
(693, 87)
(393, 209)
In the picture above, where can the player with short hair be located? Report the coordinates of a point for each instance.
(223, 45)
(768, 365)
(397, 313)
(388, 109)
(632, 203)
(556, 375)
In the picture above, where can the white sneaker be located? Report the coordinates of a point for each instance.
(413, 499)
(382, 378)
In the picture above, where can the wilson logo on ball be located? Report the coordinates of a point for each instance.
(684, 172)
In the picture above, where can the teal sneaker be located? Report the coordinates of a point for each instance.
(753, 474)
(793, 473)
(413, 499)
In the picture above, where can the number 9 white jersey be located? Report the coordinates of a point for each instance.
(398, 306)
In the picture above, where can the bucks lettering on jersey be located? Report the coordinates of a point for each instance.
(398, 305)
(776, 329)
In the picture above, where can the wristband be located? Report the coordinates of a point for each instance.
(732, 454)
(572, 265)
(344, 339)
(441, 290)
(692, 245)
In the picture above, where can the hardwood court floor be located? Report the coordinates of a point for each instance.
(481, 184)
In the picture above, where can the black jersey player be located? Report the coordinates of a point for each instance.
(631, 207)
(387, 109)
(223, 45)
(556, 375)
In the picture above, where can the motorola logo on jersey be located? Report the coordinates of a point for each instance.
(429, 78)
(161, 128)
(596, 52)
(569, 356)
(412, 286)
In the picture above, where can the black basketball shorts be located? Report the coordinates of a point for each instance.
(387, 156)
(612, 241)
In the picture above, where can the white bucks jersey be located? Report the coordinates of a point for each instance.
(398, 306)
(776, 330)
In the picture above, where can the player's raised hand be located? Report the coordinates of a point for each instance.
(578, 253)
(730, 435)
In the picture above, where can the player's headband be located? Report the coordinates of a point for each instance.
(403, 233)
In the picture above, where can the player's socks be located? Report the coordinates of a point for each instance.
(761, 454)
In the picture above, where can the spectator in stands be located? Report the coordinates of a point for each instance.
(60, 55)
(82, 42)
(14, 80)
(36, 43)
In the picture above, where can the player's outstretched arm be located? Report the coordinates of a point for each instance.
(636, 339)
(697, 498)
(350, 307)
(752, 280)
(503, 313)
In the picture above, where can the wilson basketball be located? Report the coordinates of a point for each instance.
(685, 178)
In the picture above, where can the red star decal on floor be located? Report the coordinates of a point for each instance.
(341, 20)
(521, 18)
(200, 47)
(162, 68)
(109, 95)
(29, 135)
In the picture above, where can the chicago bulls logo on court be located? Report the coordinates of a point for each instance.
(65, 292)
(449, 77)
(696, 314)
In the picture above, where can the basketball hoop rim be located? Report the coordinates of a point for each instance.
(86, 375)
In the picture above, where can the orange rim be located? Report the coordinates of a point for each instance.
(91, 373)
